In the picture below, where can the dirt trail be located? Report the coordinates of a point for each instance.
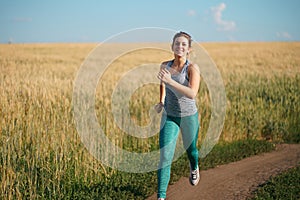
(238, 179)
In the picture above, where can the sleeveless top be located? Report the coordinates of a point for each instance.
(176, 104)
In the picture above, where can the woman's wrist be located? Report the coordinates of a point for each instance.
(159, 107)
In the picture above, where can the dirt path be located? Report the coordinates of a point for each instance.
(236, 180)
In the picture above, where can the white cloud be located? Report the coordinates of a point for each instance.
(191, 13)
(284, 35)
(223, 25)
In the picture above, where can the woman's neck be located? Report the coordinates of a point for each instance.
(178, 64)
(179, 61)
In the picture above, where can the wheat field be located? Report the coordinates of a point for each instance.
(41, 153)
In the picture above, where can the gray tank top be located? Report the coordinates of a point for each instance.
(176, 104)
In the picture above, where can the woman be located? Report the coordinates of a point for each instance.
(180, 81)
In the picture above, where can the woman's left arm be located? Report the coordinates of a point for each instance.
(189, 91)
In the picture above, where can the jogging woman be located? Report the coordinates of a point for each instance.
(179, 87)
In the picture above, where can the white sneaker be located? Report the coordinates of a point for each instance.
(160, 199)
(194, 177)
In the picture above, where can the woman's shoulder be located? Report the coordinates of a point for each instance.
(165, 63)
(193, 67)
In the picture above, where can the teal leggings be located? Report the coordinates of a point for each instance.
(170, 127)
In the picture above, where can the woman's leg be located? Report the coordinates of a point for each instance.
(189, 129)
(167, 143)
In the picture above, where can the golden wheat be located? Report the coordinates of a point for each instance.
(39, 142)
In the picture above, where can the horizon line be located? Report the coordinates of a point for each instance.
(103, 42)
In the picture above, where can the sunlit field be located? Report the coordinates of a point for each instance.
(41, 154)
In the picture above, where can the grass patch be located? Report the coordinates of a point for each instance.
(139, 186)
(283, 186)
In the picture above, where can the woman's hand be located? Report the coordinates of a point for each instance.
(158, 107)
(165, 76)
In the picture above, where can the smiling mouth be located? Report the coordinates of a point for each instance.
(179, 51)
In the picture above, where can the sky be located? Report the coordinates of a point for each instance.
(37, 21)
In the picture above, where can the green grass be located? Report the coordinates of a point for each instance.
(123, 185)
(285, 186)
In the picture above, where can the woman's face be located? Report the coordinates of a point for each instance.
(181, 46)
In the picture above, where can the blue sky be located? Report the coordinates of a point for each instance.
(31, 21)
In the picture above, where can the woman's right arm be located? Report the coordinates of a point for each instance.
(162, 93)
